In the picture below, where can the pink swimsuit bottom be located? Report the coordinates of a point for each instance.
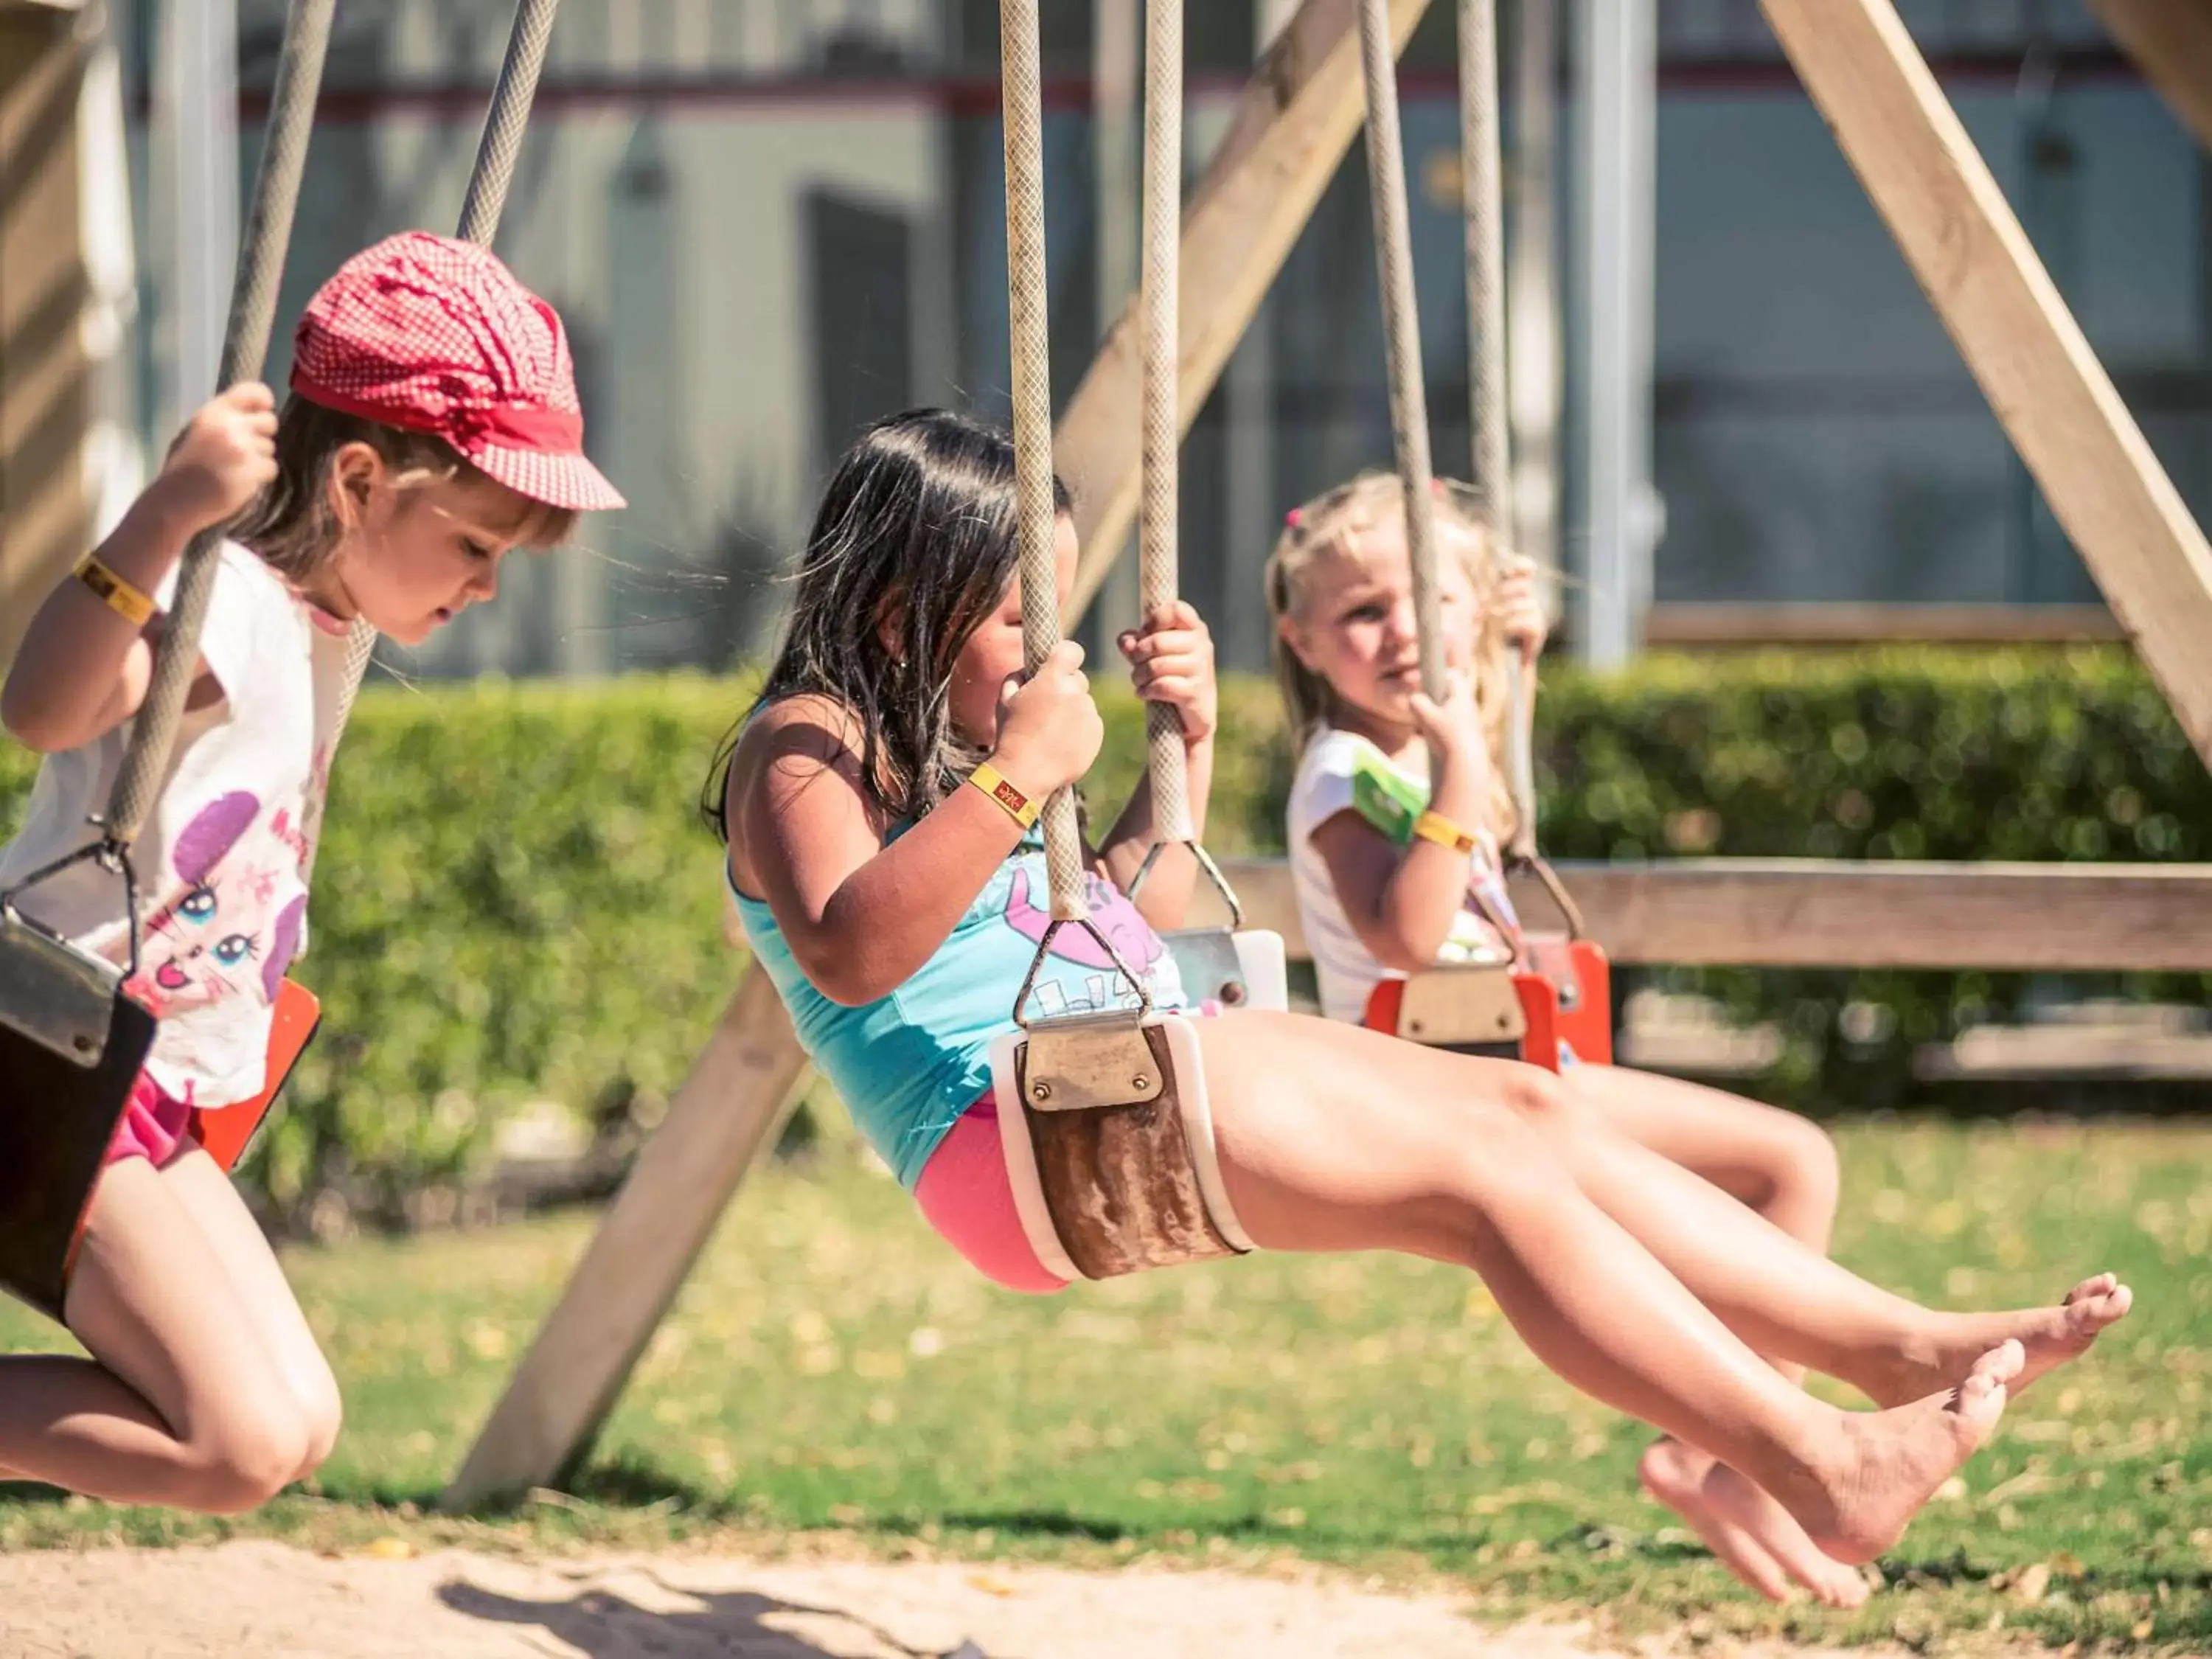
(966, 1195)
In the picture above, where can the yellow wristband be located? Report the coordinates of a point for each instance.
(131, 602)
(993, 782)
(1435, 826)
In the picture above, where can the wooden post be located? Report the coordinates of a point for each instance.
(2170, 42)
(2054, 398)
(723, 1120)
(1297, 119)
(46, 392)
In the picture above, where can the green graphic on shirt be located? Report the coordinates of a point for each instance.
(1386, 798)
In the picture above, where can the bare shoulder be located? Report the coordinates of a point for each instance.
(791, 745)
(798, 735)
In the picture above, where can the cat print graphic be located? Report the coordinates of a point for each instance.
(236, 926)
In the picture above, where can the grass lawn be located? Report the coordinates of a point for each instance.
(832, 1368)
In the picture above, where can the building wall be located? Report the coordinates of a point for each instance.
(765, 222)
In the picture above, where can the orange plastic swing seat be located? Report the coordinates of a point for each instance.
(1566, 994)
(227, 1131)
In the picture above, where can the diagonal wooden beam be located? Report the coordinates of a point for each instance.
(2054, 398)
(46, 375)
(2170, 42)
(1297, 117)
(725, 1117)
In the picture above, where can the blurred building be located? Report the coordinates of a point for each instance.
(768, 220)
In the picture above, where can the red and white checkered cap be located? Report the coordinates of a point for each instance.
(433, 335)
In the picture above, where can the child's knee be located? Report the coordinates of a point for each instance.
(1500, 1156)
(246, 1454)
(1808, 1164)
(322, 1415)
(1538, 1097)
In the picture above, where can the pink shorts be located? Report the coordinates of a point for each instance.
(154, 1127)
(966, 1195)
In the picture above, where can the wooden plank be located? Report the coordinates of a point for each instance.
(2170, 42)
(1808, 913)
(723, 1118)
(2053, 398)
(1752, 624)
(1297, 119)
(45, 374)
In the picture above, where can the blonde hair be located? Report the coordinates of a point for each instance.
(1335, 522)
(292, 525)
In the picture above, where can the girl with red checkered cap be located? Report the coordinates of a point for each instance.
(433, 428)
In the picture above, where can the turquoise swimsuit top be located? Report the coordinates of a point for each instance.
(910, 1064)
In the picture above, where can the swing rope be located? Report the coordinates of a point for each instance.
(244, 348)
(1029, 337)
(501, 144)
(498, 149)
(1158, 579)
(1482, 185)
(1402, 331)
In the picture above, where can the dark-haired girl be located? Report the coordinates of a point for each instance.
(891, 882)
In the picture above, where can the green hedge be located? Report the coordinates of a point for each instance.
(516, 902)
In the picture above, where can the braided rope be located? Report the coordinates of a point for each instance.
(1481, 176)
(1483, 186)
(498, 150)
(244, 348)
(507, 120)
(1030, 335)
(1157, 528)
(1393, 253)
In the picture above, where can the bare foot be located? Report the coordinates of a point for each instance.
(1753, 1536)
(1743, 1504)
(1857, 1499)
(2049, 1337)
(1675, 1475)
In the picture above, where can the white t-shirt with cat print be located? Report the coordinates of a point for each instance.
(222, 861)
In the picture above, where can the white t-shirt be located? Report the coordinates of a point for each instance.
(222, 862)
(1329, 783)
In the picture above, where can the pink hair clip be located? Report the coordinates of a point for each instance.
(1295, 518)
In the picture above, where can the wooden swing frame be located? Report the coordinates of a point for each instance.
(1297, 119)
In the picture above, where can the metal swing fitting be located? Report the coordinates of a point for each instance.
(1085, 1062)
(1205, 956)
(57, 994)
(1551, 957)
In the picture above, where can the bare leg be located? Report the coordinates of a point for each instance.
(1336, 1138)
(264, 1296)
(181, 1403)
(1757, 1278)
(1784, 1168)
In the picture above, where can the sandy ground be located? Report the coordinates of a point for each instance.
(261, 1600)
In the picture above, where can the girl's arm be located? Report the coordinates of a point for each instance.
(1402, 901)
(861, 915)
(1171, 661)
(84, 669)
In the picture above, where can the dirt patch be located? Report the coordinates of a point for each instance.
(264, 1600)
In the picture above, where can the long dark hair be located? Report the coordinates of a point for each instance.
(916, 527)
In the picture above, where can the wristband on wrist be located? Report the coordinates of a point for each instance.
(1435, 826)
(996, 784)
(126, 600)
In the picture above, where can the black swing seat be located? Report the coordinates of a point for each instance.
(71, 1047)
